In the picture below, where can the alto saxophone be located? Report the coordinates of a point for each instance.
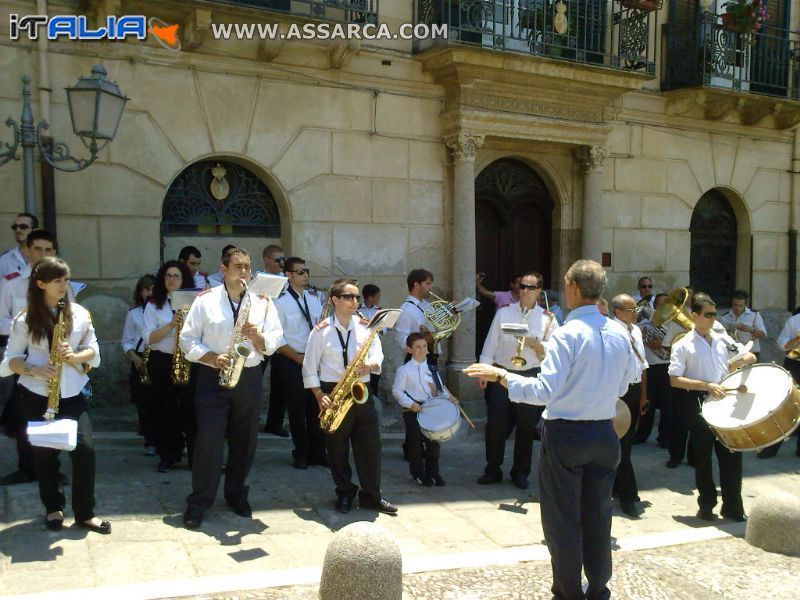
(57, 362)
(349, 390)
(239, 348)
(181, 368)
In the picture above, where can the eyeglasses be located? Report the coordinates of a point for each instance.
(711, 315)
(628, 309)
(21, 226)
(301, 271)
(356, 297)
(173, 276)
(646, 286)
(279, 259)
(525, 286)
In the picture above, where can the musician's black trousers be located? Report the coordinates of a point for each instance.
(682, 411)
(174, 409)
(423, 454)
(502, 417)
(224, 413)
(13, 424)
(659, 394)
(359, 427)
(625, 486)
(277, 398)
(308, 439)
(793, 367)
(576, 473)
(730, 463)
(47, 459)
(142, 397)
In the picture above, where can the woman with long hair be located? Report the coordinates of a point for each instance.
(28, 355)
(174, 404)
(134, 347)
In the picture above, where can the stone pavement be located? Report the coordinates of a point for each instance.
(459, 541)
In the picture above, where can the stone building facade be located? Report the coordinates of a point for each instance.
(366, 156)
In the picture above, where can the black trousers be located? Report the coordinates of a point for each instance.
(576, 474)
(142, 397)
(174, 409)
(361, 429)
(47, 459)
(625, 487)
(659, 393)
(682, 410)
(224, 413)
(277, 399)
(793, 367)
(730, 463)
(423, 454)
(13, 424)
(308, 439)
(502, 417)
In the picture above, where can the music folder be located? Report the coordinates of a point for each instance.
(60, 435)
(385, 318)
(181, 298)
(265, 284)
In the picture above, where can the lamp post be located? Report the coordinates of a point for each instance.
(95, 108)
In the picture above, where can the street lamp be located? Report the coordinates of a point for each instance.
(95, 108)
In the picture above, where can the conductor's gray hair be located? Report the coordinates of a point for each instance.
(590, 277)
(618, 301)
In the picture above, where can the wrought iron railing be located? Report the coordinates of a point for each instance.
(702, 52)
(600, 32)
(342, 11)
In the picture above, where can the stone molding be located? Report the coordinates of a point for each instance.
(464, 146)
(195, 27)
(747, 109)
(591, 158)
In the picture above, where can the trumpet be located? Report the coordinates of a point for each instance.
(519, 331)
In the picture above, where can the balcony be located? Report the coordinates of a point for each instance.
(592, 32)
(340, 11)
(700, 52)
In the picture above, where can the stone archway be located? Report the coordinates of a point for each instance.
(714, 239)
(214, 202)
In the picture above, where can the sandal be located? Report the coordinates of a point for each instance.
(54, 524)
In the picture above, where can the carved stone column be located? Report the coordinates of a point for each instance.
(464, 147)
(592, 158)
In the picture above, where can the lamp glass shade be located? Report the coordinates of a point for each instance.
(706, 5)
(95, 106)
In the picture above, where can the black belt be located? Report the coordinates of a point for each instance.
(3, 341)
(591, 421)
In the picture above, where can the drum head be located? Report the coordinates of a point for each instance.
(622, 421)
(438, 414)
(767, 387)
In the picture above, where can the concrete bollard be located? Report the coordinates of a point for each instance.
(774, 522)
(362, 562)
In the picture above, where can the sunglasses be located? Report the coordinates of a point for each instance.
(711, 315)
(279, 259)
(356, 297)
(301, 271)
(525, 286)
(646, 286)
(21, 226)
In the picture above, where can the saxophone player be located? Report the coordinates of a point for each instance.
(332, 345)
(51, 315)
(208, 333)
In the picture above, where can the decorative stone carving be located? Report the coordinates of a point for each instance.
(342, 51)
(268, 50)
(718, 106)
(754, 110)
(194, 29)
(787, 116)
(464, 146)
(682, 104)
(591, 157)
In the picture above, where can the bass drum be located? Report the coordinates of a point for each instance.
(767, 412)
(439, 419)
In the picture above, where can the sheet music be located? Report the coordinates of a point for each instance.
(181, 298)
(77, 287)
(61, 434)
(266, 284)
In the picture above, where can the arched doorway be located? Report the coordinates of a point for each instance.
(712, 259)
(216, 202)
(513, 223)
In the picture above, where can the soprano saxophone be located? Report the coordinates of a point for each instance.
(181, 369)
(57, 362)
(239, 348)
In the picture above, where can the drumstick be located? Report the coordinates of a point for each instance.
(742, 389)
(471, 424)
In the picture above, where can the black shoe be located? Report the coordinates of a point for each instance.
(104, 527)
(423, 481)
(344, 504)
(301, 462)
(164, 467)
(739, 517)
(17, 477)
(673, 463)
(487, 479)
(706, 514)
(53, 524)
(192, 519)
(629, 508)
(521, 481)
(382, 505)
(437, 480)
(765, 453)
(280, 432)
(242, 508)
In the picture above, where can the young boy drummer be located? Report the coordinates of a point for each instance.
(414, 383)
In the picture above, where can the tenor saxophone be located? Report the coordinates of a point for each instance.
(181, 369)
(57, 362)
(348, 391)
(239, 349)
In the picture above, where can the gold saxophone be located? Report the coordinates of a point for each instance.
(57, 362)
(350, 389)
(239, 349)
(181, 368)
(144, 376)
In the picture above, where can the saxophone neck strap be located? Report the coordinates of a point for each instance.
(234, 307)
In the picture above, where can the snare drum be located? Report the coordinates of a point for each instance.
(439, 419)
(766, 413)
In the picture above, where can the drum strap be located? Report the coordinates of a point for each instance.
(412, 399)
